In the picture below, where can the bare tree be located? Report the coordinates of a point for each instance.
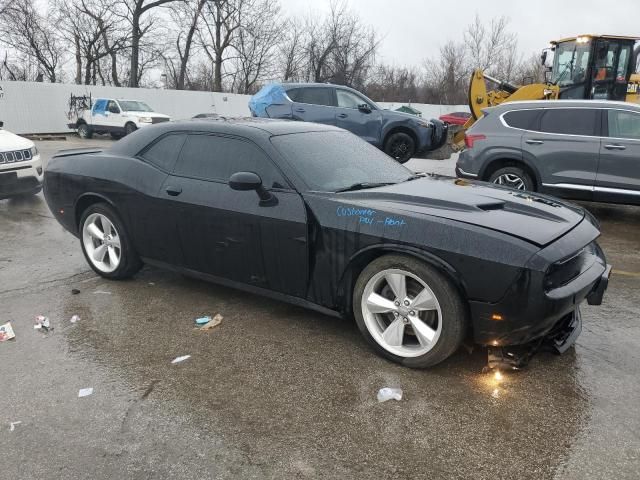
(291, 51)
(256, 45)
(221, 20)
(30, 33)
(448, 75)
(134, 11)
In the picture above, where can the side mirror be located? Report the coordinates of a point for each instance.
(364, 108)
(244, 181)
(548, 76)
(114, 110)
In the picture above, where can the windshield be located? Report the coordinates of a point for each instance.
(332, 161)
(134, 106)
(570, 63)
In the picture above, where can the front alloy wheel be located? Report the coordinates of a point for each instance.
(401, 313)
(408, 311)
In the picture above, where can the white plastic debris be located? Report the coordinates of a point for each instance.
(388, 393)
(6, 332)
(85, 392)
(74, 319)
(43, 323)
(101, 292)
(12, 425)
(180, 359)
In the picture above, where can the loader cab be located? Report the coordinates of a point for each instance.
(594, 67)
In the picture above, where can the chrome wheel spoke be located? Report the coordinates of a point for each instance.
(424, 332)
(95, 232)
(106, 226)
(424, 301)
(378, 304)
(113, 256)
(99, 253)
(115, 241)
(398, 284)
(394, 333)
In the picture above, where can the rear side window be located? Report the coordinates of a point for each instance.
(295, 94)
(212, 157)
(164, 152)
(623, 124)
(523, 119)
(316, 96)
(570, 121)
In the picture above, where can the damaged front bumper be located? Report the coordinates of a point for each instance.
(559, 340)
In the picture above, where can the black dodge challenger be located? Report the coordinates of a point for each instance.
(313, 215)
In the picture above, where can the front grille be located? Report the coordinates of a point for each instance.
(562, 272)
(159, 119)
(15, 156)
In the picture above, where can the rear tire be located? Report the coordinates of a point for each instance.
(514, 177)
(400, 146)
(408, 311)
(84, 131)
(106, 244)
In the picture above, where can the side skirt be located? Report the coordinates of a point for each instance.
(300, 302)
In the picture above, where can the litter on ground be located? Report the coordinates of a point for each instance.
(388, 393)
(75, 291)
(85, 392)
(102, 292)
(74, 319)
(213, 322)
(43, 323)
(203, 320)
(180, 359)
(12, 425)
(6, 332)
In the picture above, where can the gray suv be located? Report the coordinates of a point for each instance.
(583, 150)
(400, 135)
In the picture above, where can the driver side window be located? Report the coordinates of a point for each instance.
(112, 107)
(348, 99)
(623, 124)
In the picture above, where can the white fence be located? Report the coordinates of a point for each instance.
(30, 107)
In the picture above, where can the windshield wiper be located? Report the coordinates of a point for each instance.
(363, 185)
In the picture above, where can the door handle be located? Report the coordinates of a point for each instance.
(173, 191)
(342, 115)
(615, 147)
(534, 142)
(300, 109)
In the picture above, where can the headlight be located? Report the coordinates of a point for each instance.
(145, 119)
(34, 151)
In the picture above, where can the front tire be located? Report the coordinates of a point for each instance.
(84, 131)
(129, 128)
(514, 177)
(106, 244)
(409, 312)
(400, 146)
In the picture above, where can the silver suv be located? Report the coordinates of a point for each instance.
(578, 149)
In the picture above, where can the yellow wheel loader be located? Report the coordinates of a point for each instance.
(591, 67)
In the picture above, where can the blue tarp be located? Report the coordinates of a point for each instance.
(268, 95)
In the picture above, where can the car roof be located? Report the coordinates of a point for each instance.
(527, 104)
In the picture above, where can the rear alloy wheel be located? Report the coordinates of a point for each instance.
(84, 131)
(129, 128)
(400, 146)
(409, 312)
(513, 177)
(105, 243)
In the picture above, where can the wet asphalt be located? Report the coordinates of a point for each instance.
(280, 392)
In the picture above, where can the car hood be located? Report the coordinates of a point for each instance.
(536, 218)
(10, 141)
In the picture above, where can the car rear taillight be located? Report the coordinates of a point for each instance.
(470, 139)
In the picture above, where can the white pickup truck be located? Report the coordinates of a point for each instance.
(20, 166)
(115, 116)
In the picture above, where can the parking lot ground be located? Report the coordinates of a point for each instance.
(280, 392)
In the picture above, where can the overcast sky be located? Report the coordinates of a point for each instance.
(414, 29)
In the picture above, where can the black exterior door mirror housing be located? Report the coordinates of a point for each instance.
(364, 108)
(244, 181)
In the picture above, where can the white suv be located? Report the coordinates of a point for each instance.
(20, 166)
(115, 116)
